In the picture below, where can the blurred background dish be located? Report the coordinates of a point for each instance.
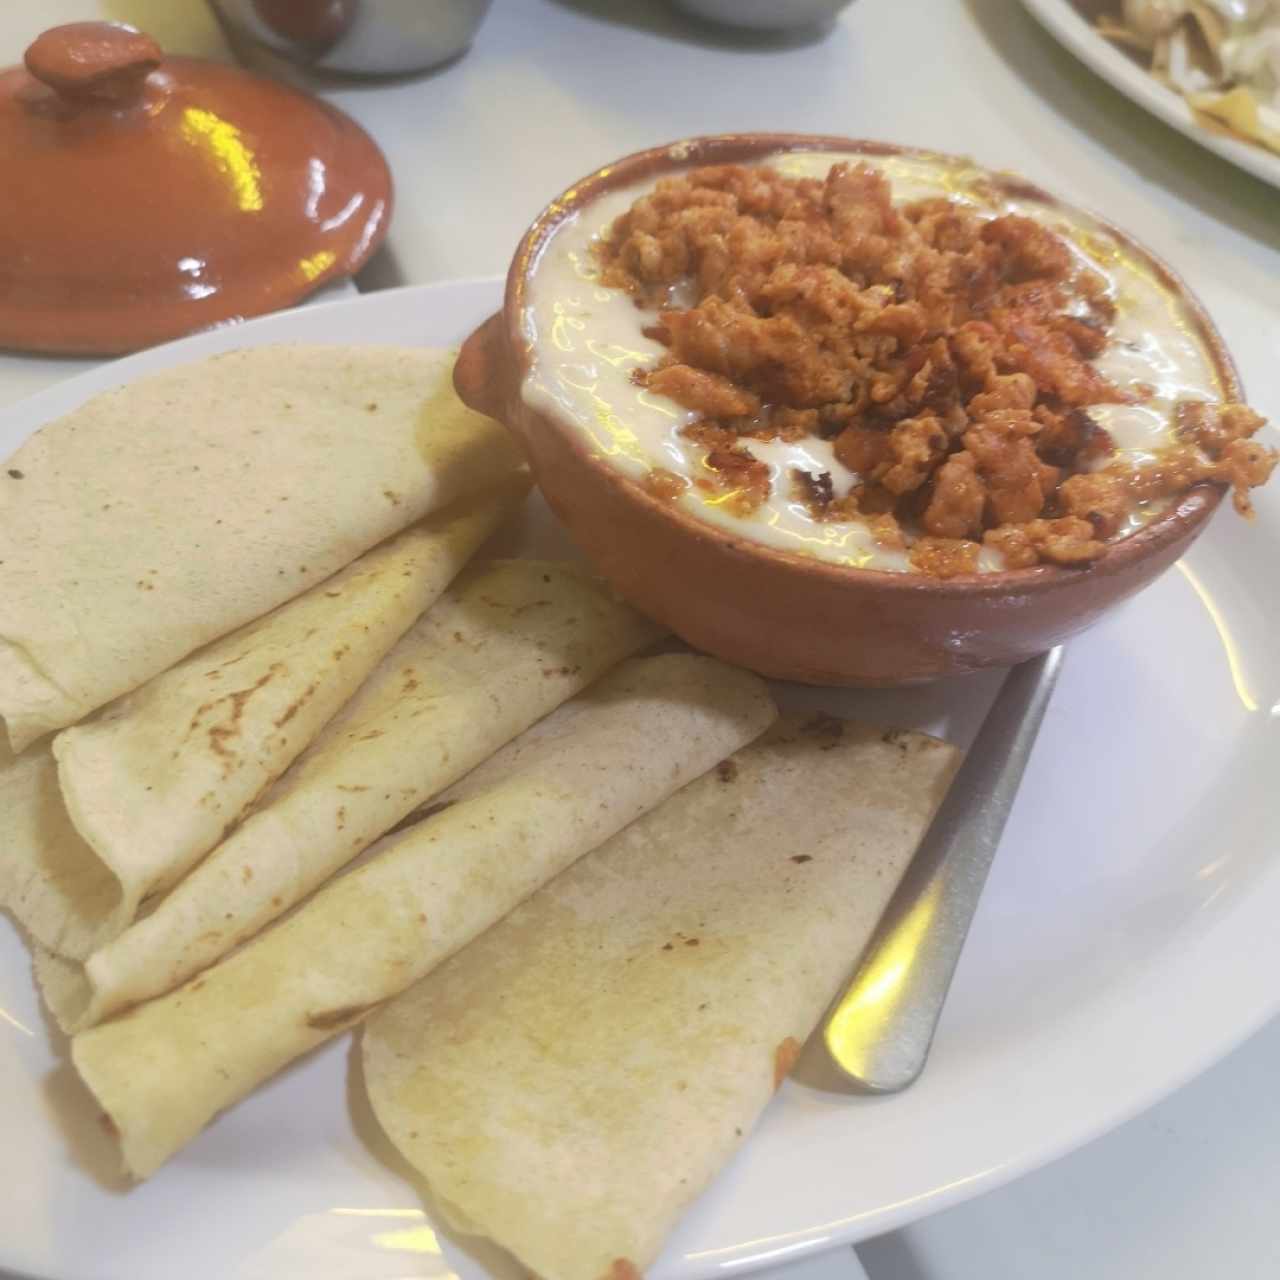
(1073, 29)
(364, 37)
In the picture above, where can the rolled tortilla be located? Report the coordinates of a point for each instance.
(503, 647)
(164, 1069)
(572, 1080)
(156, 780)
(164, 514)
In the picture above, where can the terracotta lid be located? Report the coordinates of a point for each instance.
(145, 196)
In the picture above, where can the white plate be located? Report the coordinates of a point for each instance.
(1066, 23)
(1127, 940)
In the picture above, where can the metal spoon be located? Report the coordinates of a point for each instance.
(880, 1031)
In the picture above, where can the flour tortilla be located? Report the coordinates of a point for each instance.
(163, 1070)
(503, 647)
(50, 880)
(572, 1080)
(164, 514)
(153, 782)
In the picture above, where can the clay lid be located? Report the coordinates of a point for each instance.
(146, 196)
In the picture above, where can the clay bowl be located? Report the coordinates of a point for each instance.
(778, 613)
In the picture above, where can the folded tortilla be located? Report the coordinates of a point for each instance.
(504, 646)
(164, 1069)
(572, 1080)
(50, 880)
(156, 780)
(166, 513)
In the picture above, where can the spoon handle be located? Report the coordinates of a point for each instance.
(880, 1031)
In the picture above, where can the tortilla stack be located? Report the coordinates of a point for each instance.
(159, 777)
(612, 1041)
(164, 1069)
(504, 646)
(166, 513)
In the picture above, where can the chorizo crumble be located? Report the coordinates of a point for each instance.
(946, 356)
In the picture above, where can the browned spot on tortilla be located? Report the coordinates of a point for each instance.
(410, 684)
(277, 901)
(691, 942)
(342, 816)
(668, 946)
(342, 786)
(368, 737)
(328, 1019)
(391, 496)
(621, 1269)
(341, 652)
(225, 730)
(422, 919)
(802, 857)
(784, 1058)
(726, 770)
(219, 736)
(246, 874)
(296, 705)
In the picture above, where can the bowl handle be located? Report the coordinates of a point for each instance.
(481, 376)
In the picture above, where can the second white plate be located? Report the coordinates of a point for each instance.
(1064, 21)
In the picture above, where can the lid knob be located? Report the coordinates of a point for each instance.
(107, 61)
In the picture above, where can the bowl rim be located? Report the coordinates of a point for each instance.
(1189, 512)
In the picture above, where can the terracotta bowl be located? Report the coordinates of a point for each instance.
(782, 614)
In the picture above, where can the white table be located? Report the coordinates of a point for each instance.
(555, 87)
